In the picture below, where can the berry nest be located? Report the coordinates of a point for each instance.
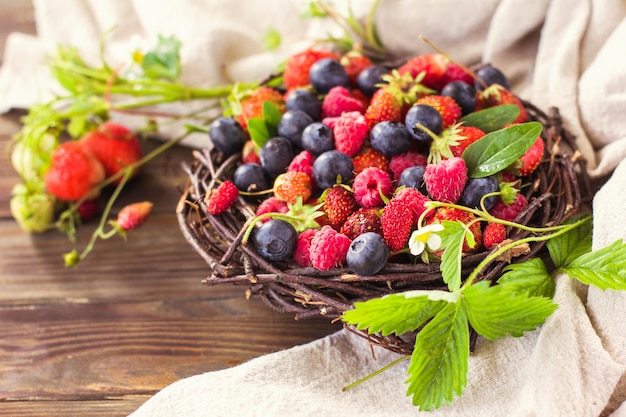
(555, 191)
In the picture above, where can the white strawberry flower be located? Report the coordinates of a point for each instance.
(425, 237)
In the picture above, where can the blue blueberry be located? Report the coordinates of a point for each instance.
(476, 188)
(275, 240)
(305, 101)
(463, 93)
(414, 177)
(425, 115)
(326, 74)
(329, 166)
(291, 125)
(318, 138)
(251, 177)
(369, 78)
(368, 254)
(490, 75)
(276, 155)
(227, 135)
(390, 138)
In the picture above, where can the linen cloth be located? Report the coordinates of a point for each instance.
(562, 53)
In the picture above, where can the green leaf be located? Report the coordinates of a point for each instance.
(439, 363)
(530, 277)
(492, 118)
(193, 128)
(497, 150)
(271, 114)
(603, 268)
(395, 313)
(271, 39)
(258, 132)
(565, 248)
(452, 239)
(164, 61)
(494, 311)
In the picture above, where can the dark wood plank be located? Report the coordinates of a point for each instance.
(93, 408)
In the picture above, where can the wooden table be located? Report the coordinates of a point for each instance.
(101, 338)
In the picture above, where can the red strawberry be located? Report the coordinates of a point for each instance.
(384, 106)
(252, 105)
(530, 160)
(115, 146)
(399, 163)
(454, 214)
(455, 73)
(354, 62)
(509, 212)
(361, 221)
(134, 215)
(495, 95)
(466, 135)
(73, 173)
(369, 185)
(448, 108)
(249, 154)
(339, 100)
(220, 199)
(297, 66)
(88, 209)
(328, 248)
(339, 204)
(494, 234)
(291, 185)
(271, 205)
(434, 65)
(350, 132)
(368, 157)
(414, 200)
(397, 223)
(445, 180)
(302, 254)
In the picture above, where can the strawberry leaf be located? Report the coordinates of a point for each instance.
(492, 118)
(272, 115)
(164, 61)
(603, 268)
(565, 248)
(452, 239)
(258, 132)
(530, 277)
(497, 150)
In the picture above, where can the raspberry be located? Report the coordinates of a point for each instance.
(369, 185)
(361, 221)
(222, 198)
(302, 254)
(399, 163)
(509, 212)
(339, 100)
(493, 234)
(302, 162)
(414, 200)
(328, 248)
(350, 133)
(397, 222)
(445, 180)
(368, 157)
(271, 205)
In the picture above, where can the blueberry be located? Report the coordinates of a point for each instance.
(275, 155)
(330, 165)
(227, 135)
(251, 177)
(369, 78)
(476, 188)
(490, 75)
(367, 254)
(275, 240)
(291, 125)
(318, 138)
(414, 177)
(463, 93)
(425, 115)
(390, 138)
(305, 101)
(326, 74)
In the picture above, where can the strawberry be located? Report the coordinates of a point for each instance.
(494, 234)
(361, 221)
(384, 106)
(446, 106)
(33, 211)
(434, 66)
(350, 133)
(466, 135)
(495, 95)
(291, 185)
(252, 104)
(397, 223)
(88, 209)
(220, 199)
(115, 146)
(509, 212)
(530, 160)
(340, 100)
(453, 141)
(455, 73)
(297, 66)
(354, 62)
(454, 214)
(368, 157)
(445, 180)
(134, 215)
(339, 204)
(249, 154)
(74, 173)
(414, 200)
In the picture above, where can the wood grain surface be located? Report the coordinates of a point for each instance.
(101, 338)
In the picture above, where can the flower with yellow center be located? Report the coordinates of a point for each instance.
(425, 237)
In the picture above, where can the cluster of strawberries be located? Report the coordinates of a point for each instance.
(374, 200)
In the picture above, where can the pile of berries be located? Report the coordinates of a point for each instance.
(359, 150)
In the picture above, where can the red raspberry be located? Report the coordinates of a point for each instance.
(509, 212)
(414, 200)
(368, 157)
(403, 161)
(361, 221)
(445, 180)
(397, 223)
(88, 209)
(369, 185)
(350, 133)
(493, 234)
(271, 205)
(302, 254)
(222, 198)
(339, 100)
(302, 162)
(328, 248)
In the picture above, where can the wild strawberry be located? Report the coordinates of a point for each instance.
(252, 105)
(302, 254)
(369, 185)
(88, 209)
(73, 173)
(339, 100)
(302, 162)
(271, 205)
(33, 211)
(384, 106)
(494, 234)
(249, 154)
(291, 185)
(361, 221)
(530, 160)
(354, 62)
(368, 157)
(397, 223)
(134, 215)
(446, 106)
(453, 141)
(465, 136)
(495, 95)
(455, 73)
(114, 145)
(339, 204)
(220, 199)
(414, 200)
(350, 132)
(445, 180)
(434, 65)
(328, 248)
(509, 212)
(297, 66)
(454, 214)
(399, 163)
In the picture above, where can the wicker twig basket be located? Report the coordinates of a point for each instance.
(555, 191)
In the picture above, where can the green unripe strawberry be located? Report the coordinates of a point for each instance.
(34, 212)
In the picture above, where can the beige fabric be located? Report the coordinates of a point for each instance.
(556, 52)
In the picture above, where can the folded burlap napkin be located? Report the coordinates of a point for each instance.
(562, 53)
